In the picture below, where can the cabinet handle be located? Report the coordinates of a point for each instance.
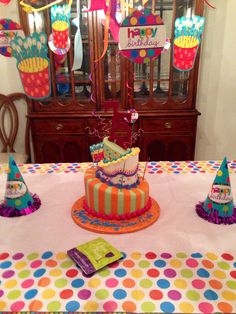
(168, 125)
(59, 127)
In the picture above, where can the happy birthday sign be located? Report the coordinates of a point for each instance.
(15, 189)
(142, 36)
(221, 193)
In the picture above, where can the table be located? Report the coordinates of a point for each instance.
(180, 264)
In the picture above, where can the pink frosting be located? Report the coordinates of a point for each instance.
(118, 217)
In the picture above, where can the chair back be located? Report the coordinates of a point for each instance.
(9, 122)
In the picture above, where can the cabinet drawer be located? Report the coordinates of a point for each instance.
(58, 126)
(168, 124)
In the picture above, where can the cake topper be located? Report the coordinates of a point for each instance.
(119, 125)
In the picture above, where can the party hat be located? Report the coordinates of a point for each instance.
(18, 200)
(219, 206)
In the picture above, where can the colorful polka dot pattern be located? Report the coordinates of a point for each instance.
(153, 167)
(37, 84)
(151, 282)
(139, 19)
(12, 28)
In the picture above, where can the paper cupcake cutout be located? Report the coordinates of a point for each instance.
(187, 41)
(33, 64)
(18, 200)
(59, 41)
(5, 2)
(142, 36)
(8, 30)
(219, 207)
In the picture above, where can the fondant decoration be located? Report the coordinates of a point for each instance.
(29, 8)
(219, 207)
(97, 152)
(78, 46)
(187, 41)
(133, 117)
(142, 36)
(94, 255)
(33, 64)
(5, 2)
(119, 125)
(18, 200)
(8, 30)
(59, 41)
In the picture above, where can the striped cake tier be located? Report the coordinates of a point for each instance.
(112, 202)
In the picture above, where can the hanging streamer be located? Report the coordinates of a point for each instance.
(114, 26)
(210, 5)
(106, 34)
(78, 46)
(29, 8)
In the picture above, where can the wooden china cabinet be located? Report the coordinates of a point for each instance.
(163, 96)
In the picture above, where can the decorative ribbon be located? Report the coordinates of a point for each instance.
(114, 26)
(106, 33)
(78, 46)
(210, 5)
(29, 8)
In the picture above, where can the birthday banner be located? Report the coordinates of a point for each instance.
(142, 36)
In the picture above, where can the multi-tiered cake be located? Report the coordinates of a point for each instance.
(116, 195)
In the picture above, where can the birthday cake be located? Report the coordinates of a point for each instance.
(114, 189)
(116, 194)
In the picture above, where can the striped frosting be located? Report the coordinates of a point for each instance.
(109, 200)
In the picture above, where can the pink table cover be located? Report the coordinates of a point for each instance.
(180, 264)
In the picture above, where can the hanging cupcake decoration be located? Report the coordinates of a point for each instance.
(187, 41)
(59, 41)
(33, 64)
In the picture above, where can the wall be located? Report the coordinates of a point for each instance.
(10, 79)
(217, 84)
(217, 81)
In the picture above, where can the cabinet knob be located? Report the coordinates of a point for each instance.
(168, 125)
(59, 127)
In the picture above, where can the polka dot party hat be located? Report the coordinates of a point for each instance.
(18, 200)
(219, 207)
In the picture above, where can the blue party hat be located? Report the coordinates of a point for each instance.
(219, 207)
(18, 199)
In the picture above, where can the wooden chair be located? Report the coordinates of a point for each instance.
(9, 126)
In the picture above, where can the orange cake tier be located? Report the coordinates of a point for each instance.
(110, 202)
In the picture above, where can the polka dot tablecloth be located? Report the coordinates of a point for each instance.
(154, 167)
(144, 281)
(151, 282)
